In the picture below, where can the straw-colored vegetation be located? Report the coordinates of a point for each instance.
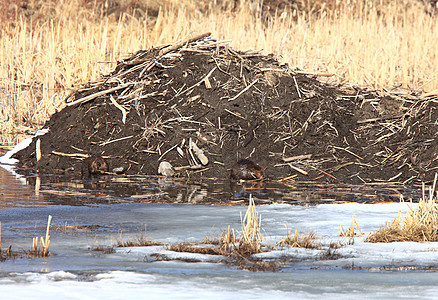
(48, 48)
(419, 225)
(304, 241)
(250, 240)
(352, 231)
(40, 247)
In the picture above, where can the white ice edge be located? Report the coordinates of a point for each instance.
(8, 163)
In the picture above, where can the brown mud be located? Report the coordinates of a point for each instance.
(239, 105)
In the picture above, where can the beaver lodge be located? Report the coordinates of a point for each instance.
(202, 106)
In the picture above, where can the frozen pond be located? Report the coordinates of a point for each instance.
(88, 215)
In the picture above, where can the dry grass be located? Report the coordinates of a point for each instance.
(250, 240)
(40, 247)
(419, 225)
(353, 231)
(308, 241)
(51, 47)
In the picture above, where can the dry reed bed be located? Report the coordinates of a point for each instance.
(50, 47)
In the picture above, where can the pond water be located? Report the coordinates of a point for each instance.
(99, 213)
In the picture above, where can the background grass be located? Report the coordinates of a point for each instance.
(48, 48)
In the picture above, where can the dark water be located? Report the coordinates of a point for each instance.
(66, 190)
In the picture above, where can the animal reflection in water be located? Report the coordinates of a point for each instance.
(92, 166)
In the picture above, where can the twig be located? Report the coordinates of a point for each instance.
(395, 177)
(71, 154)
(205, 79)
(123, 110)
(116, 140)
(170, 49)
(170, 149)
(298, 157)
(243, 91)
(323, 172)
(348, 151)
(95, 95)
(296, 86)
(297, 169)
(378, 119)
(234, 114)
(182, 43)
(194, 167)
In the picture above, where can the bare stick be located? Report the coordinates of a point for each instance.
(234, 114)
(378, 119)
(348, 151)
(71, 154)
(298, 157)
(182, 43)
(122, 109)
(298, 169)
(205, 79)
(243, 91)
(296, 86)
(116, 140)
(170, 149)
(95, 95)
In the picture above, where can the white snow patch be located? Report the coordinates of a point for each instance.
(7, 158)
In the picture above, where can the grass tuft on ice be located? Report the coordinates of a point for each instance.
(418, 225)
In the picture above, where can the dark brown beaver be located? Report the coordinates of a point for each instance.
(247, 170)
(93, 165)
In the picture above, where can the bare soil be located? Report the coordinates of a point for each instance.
(236, 105)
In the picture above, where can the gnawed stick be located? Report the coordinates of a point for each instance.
(296, 86)
(122, 109)
(166, 50)
(95, 95)
(183, 42)
(243, 91)
(298, 169)
(116, 140)
(70, 154)
(194, 167)
(204, 79)
(298, 157)
(348, 151)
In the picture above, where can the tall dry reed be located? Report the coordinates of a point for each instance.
(48, 48)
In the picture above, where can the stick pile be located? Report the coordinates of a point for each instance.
(201, 106)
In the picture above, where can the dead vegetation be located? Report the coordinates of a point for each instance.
(308, 241)
(238, 248)
(40, 247)
(420, 224)
(323, 36)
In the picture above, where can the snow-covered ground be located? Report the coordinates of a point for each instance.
(74, 272)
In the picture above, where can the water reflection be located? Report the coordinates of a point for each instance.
(14, 191)
(38, 189)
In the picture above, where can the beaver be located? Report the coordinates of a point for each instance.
(93, 165)
(247, 170)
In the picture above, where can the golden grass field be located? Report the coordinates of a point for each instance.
(48, 48)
